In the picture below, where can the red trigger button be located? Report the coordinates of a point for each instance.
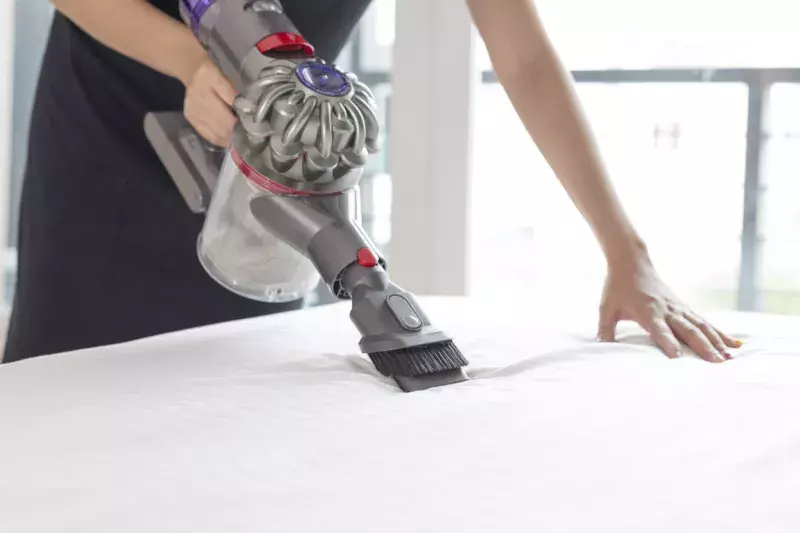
(366, 258)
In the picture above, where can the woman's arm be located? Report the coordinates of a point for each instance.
(542, 92)
(138, 30)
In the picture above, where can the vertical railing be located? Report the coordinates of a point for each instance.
(749, 295)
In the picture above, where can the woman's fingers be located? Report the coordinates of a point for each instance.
(663, 336)
(221, 123)
(210, 116)
(693, 337)
(710, 332)
(639, 294)
(209, 97)
(215, 125)
(606, 329)
(209, 78)
(729, 341)
(224, 89)
(670, 330)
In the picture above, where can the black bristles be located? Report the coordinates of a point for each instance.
(419, 360)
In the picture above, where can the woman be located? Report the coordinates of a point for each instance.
(107, 246)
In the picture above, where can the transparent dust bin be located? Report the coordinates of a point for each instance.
(241, 254)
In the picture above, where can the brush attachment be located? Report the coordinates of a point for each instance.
(419, 360)
(422, 367)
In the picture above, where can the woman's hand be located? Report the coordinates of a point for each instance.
(634, 291)
(208, 104)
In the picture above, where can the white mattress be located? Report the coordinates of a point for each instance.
(275, 425)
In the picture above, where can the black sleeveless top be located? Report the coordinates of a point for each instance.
(106, 245)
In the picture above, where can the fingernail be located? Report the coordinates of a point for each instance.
(727, 356)
(738, 343)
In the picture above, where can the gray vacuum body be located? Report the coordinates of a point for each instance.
(305, 130)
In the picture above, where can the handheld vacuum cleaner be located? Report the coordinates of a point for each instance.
(281, 204)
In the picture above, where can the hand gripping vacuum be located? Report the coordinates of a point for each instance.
(281, 204)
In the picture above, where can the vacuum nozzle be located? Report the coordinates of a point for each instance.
(422, 367)
(398, 336)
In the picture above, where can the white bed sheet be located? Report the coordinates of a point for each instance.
(275, 425)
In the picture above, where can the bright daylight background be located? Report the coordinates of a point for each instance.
(676, 151)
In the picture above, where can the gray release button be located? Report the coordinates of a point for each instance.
(404, 313)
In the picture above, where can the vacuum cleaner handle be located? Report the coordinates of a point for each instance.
(193, 162)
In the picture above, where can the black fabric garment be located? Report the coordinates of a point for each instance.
(106, 243)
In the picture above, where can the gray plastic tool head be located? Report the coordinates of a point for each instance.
(429, 381)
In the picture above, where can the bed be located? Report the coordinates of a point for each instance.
(277, 425)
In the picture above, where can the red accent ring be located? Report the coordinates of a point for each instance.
(284, 42)
(262, 181)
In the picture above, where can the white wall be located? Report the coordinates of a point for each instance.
(6, 84)
(433, 83)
